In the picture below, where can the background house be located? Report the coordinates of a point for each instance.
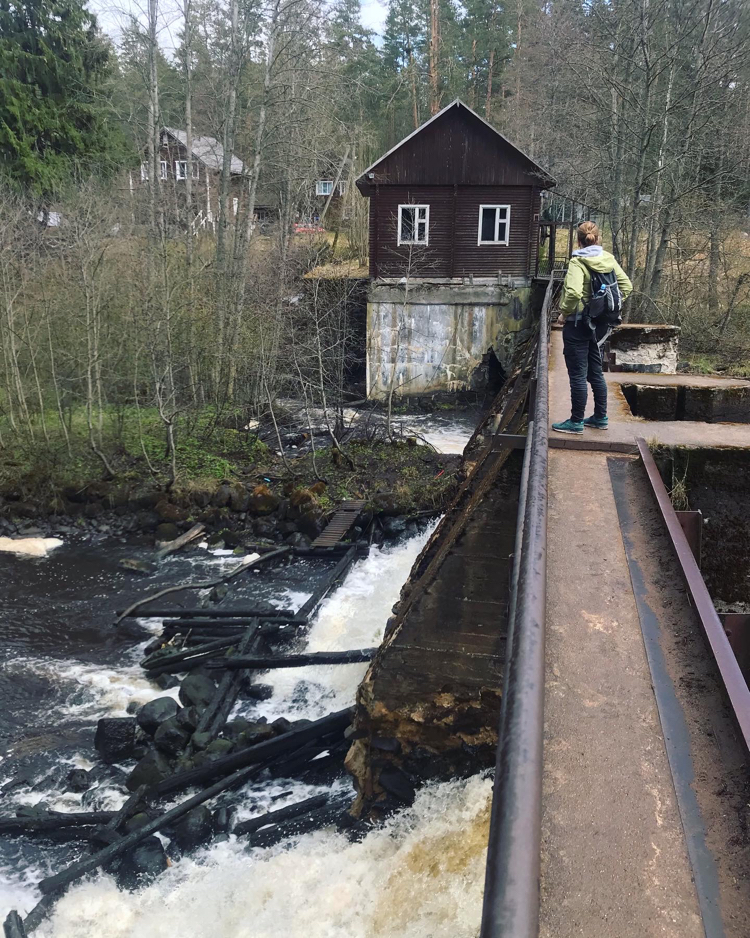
(454, 235)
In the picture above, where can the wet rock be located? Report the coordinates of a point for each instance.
(188, 718)
(195, 829)
(201, 497)
(166, 532)
(142, 567)
(222, 819)
(232, 539)
(234, 728)
(394, 527)
(155, 712)
(259, 691)
(282, 725)
(397, 783)
(166, 681)
(136, 822)
(115, 738)
(142, 865)
(200, 740)
(77, 780)
(264, 528)
(196, 690)
(218, 592)
(171, 738)
(298, 539)
(34, 811)
(152, 769)
(262, 501)
(146, 520)
(218, 748)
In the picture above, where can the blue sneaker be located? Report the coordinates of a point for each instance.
(597, 423)
(569, 426)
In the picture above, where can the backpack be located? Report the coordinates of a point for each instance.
(605, 304)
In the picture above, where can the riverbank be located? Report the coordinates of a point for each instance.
(235, 483)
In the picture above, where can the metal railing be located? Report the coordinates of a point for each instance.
(511, 892)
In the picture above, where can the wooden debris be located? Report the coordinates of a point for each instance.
(265, 663)
(179, 542)
(282, 814)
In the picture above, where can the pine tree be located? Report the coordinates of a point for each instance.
(53, 65)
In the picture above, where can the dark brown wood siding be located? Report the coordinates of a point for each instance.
(452, 250)
(457, 149)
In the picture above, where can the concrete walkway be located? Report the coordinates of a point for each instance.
(624, 427)
(614, 860)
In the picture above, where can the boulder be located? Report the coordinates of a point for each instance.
(197, 690)
(259, 691)
(115, 738)
(280, 726)
(167, 531)
(200, 740)
(152, 769)
(221, 496)
(262, 501)
(298, 539)
(169, 513)
(254, 733)
(195, 829)
(77, 780)
(171, 738)
(218, 748)
(239, 498)
(155, 712)
(264, 527)
(136, 822)
(394, 526)
(141, 865)
(166, 681)
(311, 522)
(93, 510)
(188, 718)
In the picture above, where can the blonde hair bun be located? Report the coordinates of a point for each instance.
(588, 233)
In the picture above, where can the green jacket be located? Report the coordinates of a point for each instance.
(577, 286)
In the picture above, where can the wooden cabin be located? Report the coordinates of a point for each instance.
(454, 199)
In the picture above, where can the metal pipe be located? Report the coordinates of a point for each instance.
(511, 895)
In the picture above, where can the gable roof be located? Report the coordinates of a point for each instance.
(532, 168)
(208, 150)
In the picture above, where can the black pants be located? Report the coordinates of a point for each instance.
(583, 358)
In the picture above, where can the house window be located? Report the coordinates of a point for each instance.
(163, 173)
(324, 187)
(413, 224)
(144, 172)
(235, 205)
(180, 169)
(494, 224)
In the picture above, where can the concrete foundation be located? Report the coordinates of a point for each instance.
(642, 348)
(435, 335)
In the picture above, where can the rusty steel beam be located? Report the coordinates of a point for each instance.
(729, 668)
(691, 523)
(511, 890)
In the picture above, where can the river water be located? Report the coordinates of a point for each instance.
(64, 666)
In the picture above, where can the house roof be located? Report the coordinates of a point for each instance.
(533, 167)
(209, 151)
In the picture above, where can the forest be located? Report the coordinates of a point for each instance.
(142, 328)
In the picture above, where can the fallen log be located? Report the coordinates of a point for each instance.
(13, 926)
(282, 814)
(179, 542)
(269, 662)
(211, 719)
(321, 591)
(129, 808)
(102, 857)
(202, 584)
(54, 822)
(266, 751)
(313, 820)
(231, 622)
(158, 661)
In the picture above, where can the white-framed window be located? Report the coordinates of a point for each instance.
(163, 173)
(235, 205)
(324, 187)
(180, 169)
(494, 224)
(342, 187)
(413, 224)
(144, 172)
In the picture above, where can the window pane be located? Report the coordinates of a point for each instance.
(422, 232)
(407, 224)
(422, 214)
(488, 224)
(503, 212)
(502, 231)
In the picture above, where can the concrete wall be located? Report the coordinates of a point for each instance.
(645, 348)
(431, 335)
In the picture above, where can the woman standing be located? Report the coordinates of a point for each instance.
(583, 338)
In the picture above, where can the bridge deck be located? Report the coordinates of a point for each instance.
(624, 427)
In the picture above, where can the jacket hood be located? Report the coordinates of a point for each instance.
(594, 257)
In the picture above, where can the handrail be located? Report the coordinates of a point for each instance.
(511, 891)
